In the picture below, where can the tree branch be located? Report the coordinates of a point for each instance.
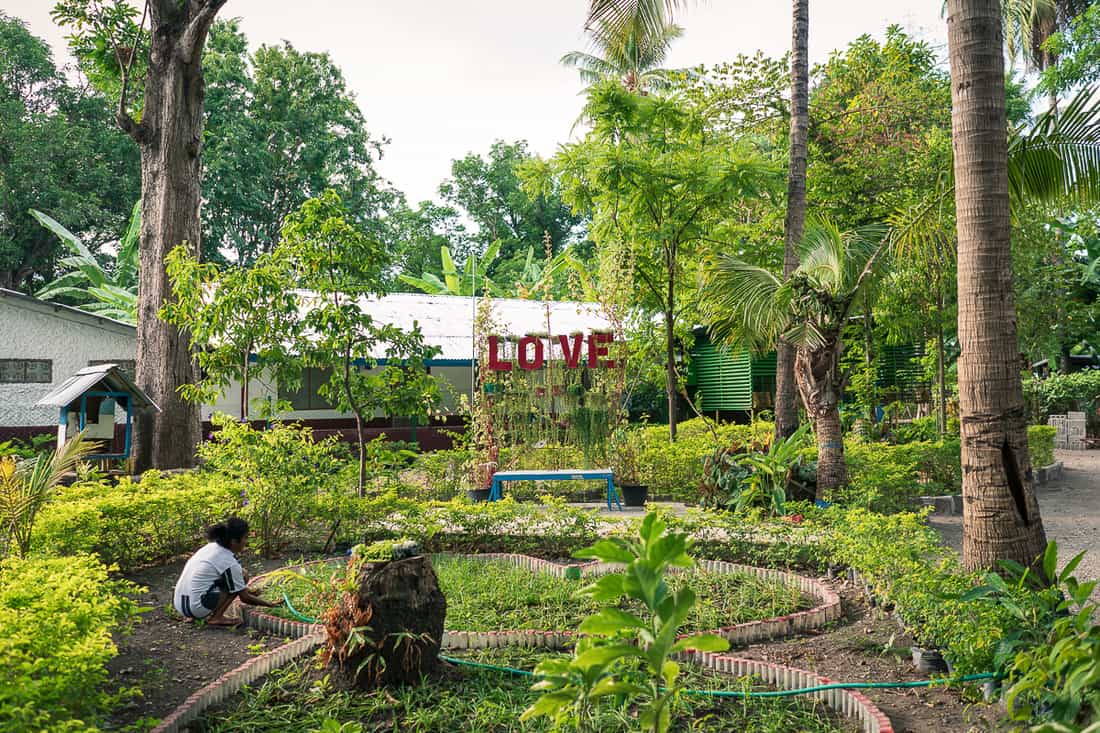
(122, 116)
(195, 33)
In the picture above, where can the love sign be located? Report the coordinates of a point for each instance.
(531, 352)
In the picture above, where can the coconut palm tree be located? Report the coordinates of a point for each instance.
(1001, 518)
(635, 61)
(748, 306)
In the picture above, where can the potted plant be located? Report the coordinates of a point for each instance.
(624, 452)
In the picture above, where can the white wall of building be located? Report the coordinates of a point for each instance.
(32, 329)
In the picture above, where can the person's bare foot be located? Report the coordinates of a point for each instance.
(223, 621)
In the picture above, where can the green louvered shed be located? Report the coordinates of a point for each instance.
(723, 381)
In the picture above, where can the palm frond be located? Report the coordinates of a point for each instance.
(745, 305)
(926, 230)
(616, 20)
(1060, 155)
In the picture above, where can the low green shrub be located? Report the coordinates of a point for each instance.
(283, 475)
(674, 471)
(1040, 445)
(890, 478)
(56, 619)
(1062, 393)
(131, 524)
(905, 566)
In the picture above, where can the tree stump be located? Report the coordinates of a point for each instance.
(389, 628)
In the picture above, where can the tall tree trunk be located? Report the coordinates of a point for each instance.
(786, 396)
(670, 366)
(820, 382)
(1000, 515)
(941, 364)
(170, 139)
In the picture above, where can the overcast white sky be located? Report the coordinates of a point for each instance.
(443, 78)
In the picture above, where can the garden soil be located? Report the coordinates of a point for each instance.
(168, 658)
(1070, 508)
(868, 646)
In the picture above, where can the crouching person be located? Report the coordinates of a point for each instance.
(213, 576)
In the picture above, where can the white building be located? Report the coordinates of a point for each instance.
(42, 344)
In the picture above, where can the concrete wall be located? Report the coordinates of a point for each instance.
(30, 330)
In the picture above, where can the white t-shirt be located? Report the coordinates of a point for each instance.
(211, 571)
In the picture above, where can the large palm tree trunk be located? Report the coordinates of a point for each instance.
(820, 382)
(786, 396)
(1000, 515)
(170, 139)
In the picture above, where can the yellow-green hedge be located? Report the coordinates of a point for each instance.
(56, 618)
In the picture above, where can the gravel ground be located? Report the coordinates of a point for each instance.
(1070, 507)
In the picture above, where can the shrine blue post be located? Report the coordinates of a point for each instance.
(500, 477)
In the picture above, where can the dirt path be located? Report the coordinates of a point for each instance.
(167, 658)
(1070, 507)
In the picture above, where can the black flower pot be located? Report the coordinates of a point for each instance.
(476, 495)
(634, 494)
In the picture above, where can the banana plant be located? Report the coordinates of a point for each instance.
(620, 643)
(451, 282)
(92, 288)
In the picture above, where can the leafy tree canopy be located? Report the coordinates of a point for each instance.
(487, 191)
(282, 127)
(60, 153)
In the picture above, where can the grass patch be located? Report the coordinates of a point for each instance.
(300, 698)
(497, 596)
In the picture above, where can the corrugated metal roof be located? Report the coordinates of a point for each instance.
(107, 377)
(447, 321)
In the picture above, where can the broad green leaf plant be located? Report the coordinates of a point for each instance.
(627, 656)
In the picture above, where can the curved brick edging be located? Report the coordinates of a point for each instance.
(849, 703)
(232, 681)
(747, 632)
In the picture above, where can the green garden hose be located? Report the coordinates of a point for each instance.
(295, 614)
(710, 693)
(738, 693)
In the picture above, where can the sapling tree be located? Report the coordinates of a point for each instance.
(604, 664)
(238, 314)
(374, 366)
(653, 176)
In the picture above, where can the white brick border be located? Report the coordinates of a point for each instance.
(849, 703)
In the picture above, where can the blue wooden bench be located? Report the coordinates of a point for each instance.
(603, 474)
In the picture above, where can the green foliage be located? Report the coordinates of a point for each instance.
(675, 470)
(485, 595)
(62, 154)
(56, 620)
(283, 474)
(753, 480)
(889, 478)
(86, 283)
(1062, 393)
(1040, 444)
(27, 484)
(602, 664)
(240, 314)
(335, 259)
(1077, 49)
(281, 127)
(1051, 657)
(294, 699)
(921, 579)
(132, 524)
(487, 190)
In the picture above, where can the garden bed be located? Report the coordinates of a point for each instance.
(498, 594)
(301, 698)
